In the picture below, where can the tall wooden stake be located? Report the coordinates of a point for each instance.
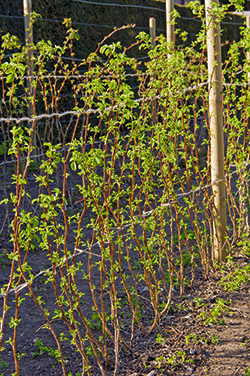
(169, 26)
(152, 30)
(27, 9)
(216, 129)
(248, 53)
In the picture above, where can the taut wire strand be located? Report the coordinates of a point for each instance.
(145, 214)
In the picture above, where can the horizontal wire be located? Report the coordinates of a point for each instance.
(237, 84)
(72, 75)
(121, 5)
(6, 16)
(97, 111)
(190, 18)
(90, 111)
(114, 26)
(232, 23)
(69, 76)
(145, 214)
(92, 24)
(83, 23)
(85, 74)
(102, 61)
(86, 250)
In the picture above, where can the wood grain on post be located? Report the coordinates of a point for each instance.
(27, 10)
(216, 130)
(248, 52)
(169, 25)
(152, 30)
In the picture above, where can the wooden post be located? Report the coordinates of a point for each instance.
(152, 30)
(248, 53)
(244, 182)
(216, 129)
(169, 26)
(27, 9)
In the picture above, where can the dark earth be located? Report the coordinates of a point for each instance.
(206, 332)
(182, 344)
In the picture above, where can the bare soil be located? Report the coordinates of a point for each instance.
(221, 349)
(183, 343)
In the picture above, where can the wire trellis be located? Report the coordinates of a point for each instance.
(130, 186)
(145, 214)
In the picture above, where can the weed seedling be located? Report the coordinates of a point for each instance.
(4, 259)
(194, 336)
(180, 307)
(247, 372)
(3, 364)
(203, 340)
(160, 340)
(245, 342)
(214, 339)
(219, 307)
(54, 353)
(182, 355)
(199, 302)
(172, 361)
(234, 280)
(159, 360)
